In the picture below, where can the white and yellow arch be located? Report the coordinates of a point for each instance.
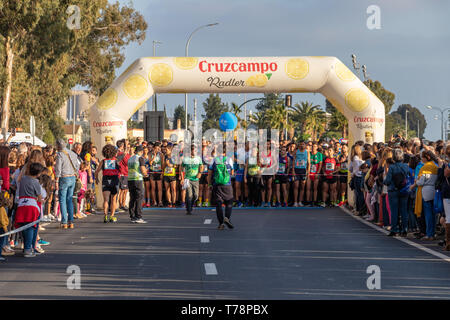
(326, 75)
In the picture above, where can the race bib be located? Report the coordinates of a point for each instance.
(313, 168)
(252, 171)
(110, 164)
(169, 170)
(329, 166)
(344, 165)
(281, 167)
(266, 161)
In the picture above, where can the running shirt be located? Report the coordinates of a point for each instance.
(191, 167)
(316, 159)
(253, 169)
(156, 166)
(301, 160)
(266, 160)
(169, 171)
(111, 167)
(329, 167)
(343, 163)
(283, 164)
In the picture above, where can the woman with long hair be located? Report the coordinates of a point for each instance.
(356, 162)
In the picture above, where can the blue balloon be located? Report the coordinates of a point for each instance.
(228, 121)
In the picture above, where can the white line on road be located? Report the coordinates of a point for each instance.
(204, 239)
(208, 221)
(411, 243)
(210, 269)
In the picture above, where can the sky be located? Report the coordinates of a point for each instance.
(409, 54)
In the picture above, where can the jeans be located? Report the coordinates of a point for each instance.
(191, 195)
(359, 195)
(430, 219)
(3, 240)
(399, 208)
(30, 236)
(412, 217)
(65, 194)
(136, 188)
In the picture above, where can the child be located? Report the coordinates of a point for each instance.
(46, 183)
(83, 173)
(28, 209)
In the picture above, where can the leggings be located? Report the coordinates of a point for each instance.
(219, 210)
(254, 187)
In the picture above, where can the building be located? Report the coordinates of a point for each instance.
(77, 106)
(68, 133)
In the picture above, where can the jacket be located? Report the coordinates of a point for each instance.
(394, 169)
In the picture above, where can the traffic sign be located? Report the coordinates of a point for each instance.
(70, 141)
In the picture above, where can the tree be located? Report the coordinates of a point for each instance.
(414, 116)
(49, 59)
(384, 95)
(179, 113)
(338, 122)
(310, 118)
(214, 108)
(271, 100)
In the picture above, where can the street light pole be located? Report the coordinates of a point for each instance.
(406, 125)
(442, 118)
(155, 42)
(187, 54)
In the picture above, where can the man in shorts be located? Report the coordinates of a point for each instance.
(301, 169)
(282, 177)
(313, 180)
(192, 167)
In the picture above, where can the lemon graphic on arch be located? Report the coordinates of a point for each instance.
(257, 80)
(297, 68)
(186, 63)
(139, 105)
(107, 100)
(161, 74)
(135, 86)
(343, 72)
(357, 99)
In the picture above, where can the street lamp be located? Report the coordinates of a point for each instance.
(155, 42)
(406, 124)
(442, 118)
(187, 53)
(356, 65)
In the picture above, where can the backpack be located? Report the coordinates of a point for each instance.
(400, 182)
(221, 174)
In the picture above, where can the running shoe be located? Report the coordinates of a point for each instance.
(240, 204)
(70, 226)
(29, 253)
(144, 205)
(160, 205)
(300, 204)
(39, 250)
(228, 223)
(284, 205)
(322, 204)
(277, 205)
(141, 221)
(113, 219)
(43, 242)
(105, 219)
(221, 226)
(266, 204)
(3, 259)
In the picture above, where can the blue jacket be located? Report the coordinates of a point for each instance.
(393, 169)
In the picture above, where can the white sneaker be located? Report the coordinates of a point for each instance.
(59, 219)
(140, 221)
(83, 214)
(295, 204)
(29, 253)
(300, 204)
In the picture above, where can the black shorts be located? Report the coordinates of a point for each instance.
(110, 184)
(155, 176)
(329, 180)
(280, 179)
(266, 178)
(343, 178)
(203, 179)
(300, 174)
(169, 179)
(146, 179)
(123, 183)
(221, 193)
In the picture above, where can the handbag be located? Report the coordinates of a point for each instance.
(78, 183)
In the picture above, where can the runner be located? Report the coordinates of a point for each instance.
(221, 172)
(329, 178)
(170, 181)
(252, 177)
(122, 157)
(266, 163)
(110, 181)
(282, 177)
(313, 179)
(155, 161)
(191, 170)
(147, 199)
(204, 190)
(301, 169)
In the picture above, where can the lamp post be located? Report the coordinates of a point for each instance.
(155, 42)
(442, 118)
(406, 124)
(187, 53)
(356, 65)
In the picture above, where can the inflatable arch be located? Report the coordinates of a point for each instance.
(326, 75)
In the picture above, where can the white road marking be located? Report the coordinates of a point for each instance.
(204, 239)
(208, 221)
(411, 243)
(210, 269)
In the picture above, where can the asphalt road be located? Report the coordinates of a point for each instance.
(301, 253)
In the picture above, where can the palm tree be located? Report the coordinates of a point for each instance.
(337, 120)
(276, 118)
(236, 110)
(259, 119)
(309, 117)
